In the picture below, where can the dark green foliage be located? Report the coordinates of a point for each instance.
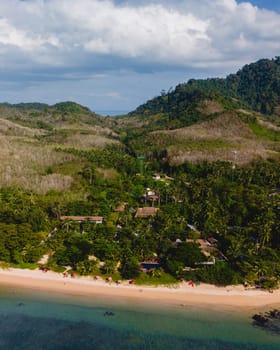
(34, 105)
(258, 84)
(19, 244)
(86, 267)
(186, 253)
(76, 249)
(70, 107)
(181, 256)
(220, 274)
(17, 206)
(175, 109)
(109, 157)
(130, 268)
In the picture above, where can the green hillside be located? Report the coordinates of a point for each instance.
(166, 124)
(255, 86)
(64, 114)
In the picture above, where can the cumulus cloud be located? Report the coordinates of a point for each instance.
(43, 41)
(184, 33)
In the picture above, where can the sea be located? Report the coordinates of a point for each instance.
(39, 320)
(112, 112)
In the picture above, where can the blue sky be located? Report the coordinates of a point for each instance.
(115, 54)
(273, 5)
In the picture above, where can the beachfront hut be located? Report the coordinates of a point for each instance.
(149, 264)
(81, 220)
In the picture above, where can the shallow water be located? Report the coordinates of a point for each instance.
(36, 320)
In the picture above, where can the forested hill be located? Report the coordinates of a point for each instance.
(258, 84)
(41, 115)
(209, 119)
(255, 86)
(67, 106)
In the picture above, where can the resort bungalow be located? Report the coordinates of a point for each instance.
(81, 219)
(149, 264)
(151, 196)
(146, 212)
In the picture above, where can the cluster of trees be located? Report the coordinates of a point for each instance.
(19, 244)
(258, 84)
(238, 206)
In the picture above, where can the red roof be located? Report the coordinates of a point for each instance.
(212, 240)
(152, 197)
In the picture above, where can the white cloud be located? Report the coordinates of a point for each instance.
(183, 33)
(96, 51)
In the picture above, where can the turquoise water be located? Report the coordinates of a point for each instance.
(32, 320)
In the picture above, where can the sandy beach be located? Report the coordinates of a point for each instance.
(183, 295)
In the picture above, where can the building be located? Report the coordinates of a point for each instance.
(212, 241)
(146, 212)
(151, 196)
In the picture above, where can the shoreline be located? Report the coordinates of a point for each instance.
(234, 298)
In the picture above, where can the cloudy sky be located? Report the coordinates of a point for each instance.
(112, 55)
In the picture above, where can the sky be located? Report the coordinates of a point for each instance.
(113, 55)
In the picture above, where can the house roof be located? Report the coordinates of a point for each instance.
(152, 197)
(212, 240)
(82, 218)
(146, 211)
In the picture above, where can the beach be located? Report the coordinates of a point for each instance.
(182, 295)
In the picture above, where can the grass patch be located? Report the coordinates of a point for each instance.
(165, 279)
(56, 268)
(27, 266)
(201, 145)
(4, 265)
(267, 134)
(67, 168)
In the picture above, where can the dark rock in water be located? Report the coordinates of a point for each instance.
(260, 319)
(108, 313)
(269, 322)
(273, 314)
(20, 304)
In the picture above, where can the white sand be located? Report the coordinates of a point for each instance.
(183, 295)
